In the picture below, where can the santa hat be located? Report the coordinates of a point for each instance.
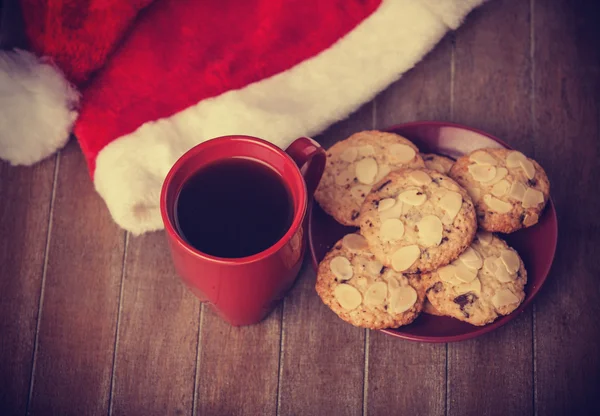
(141, 82)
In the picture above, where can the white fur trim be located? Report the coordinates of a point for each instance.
(452, 12)
(37, 105)
(301, 101)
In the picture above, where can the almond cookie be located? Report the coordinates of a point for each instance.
(417, 220)
(485, 282)
(355, 164)
(509, 190)
(441, 164)
(362, 291)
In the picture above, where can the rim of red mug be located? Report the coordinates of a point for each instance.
(299, 214)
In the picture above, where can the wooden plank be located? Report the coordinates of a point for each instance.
(492, 84)
(237, 371)
(423, 93)
(322, 363)
(158, 334)
(492, 375)
(403, 375)
(25, 193)
(492, 72)
(567, 134)
(73, 364)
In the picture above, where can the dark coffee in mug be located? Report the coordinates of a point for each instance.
(234, 208)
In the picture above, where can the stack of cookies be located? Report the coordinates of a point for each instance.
(426, 223)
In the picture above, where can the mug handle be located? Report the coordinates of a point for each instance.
(310, 158)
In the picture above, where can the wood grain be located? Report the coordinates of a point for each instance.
(157, 341)
(74, 358)
(416, 369)
(25, 195)
(492, 87)
(423, 93)
(322, 365)
(238, 367)
(567, 134)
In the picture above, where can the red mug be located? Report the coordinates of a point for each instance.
(244, 290)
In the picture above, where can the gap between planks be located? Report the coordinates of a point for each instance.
(43, 282)
(117, 325)
(280, 363)
(366, 373)
(533, 145)
(197, 367)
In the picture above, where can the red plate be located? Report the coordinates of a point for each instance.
(536, 245)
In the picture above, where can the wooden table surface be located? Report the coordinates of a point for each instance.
(94, 321)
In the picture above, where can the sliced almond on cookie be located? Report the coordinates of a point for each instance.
(413, 197)
(497, 205)
(530, 219)
(392, 283)
(374, 267)
(359, 192)
(366, 170)
(376, 294)
(437, 167)
(501, 188)
(500, 175)
(517, 191)
(349, 155)
(341, 268)
(391, 230)
(490, 265)
(465, 274)
(354, 242)
(402, 299)
(405, 257)
(472, 286)
(385, 204)
(511, 261)
(485, 238)
(501, 273)
(430, 231)
(419, 177)
(482, 173)
(393, 212)
(347, 296)
(450, 185)
(528, 168)
(481, 157)
(382, 172)
(448, 274)
(451, 203)
(532, 198)
(504, 297)
(366, 150)
(402, 152)
(471, 258)
(514, 159)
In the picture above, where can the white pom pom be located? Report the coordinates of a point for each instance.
(38, 108)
